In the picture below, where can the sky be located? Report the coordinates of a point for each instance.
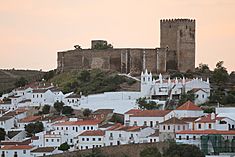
(33, 31)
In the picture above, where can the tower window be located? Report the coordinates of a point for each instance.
(186, 27)
(169, 26)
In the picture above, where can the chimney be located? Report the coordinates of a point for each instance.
(212, 116)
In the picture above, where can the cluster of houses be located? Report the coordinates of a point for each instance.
(186, 124)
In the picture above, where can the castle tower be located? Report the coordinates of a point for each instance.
(178, 35)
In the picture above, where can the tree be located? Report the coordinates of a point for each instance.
(2, 134)
(49, 75)
(21, 82)
(182, 150)
(203, 68)
(150, 152)
(87, 112)
(220, 73)
(64, 146)
(67, 110)
(186, 97)
(58, 106)
(33, 128)
(84, 76)
(147, 105)
(46, 109)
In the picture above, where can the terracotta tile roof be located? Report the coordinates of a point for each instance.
(189, 106)
(55, 118)
(189, 119)
(35, 137)
(43, 150)
(82, 122)
(16, 112)
(207, 119)
(4, 118)
(93, 133)
(40, 90)
(103, 111)
(133, 111)
(174, 120)
(156, 134)
(120, 127)
(30, 119)
(26, 100)
(74, 96)
(24, 142)
(151, 113)
(194, 90)
(16, 147)
(230, 132)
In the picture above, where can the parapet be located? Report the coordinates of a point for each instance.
(177, 21)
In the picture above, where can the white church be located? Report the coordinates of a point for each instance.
(162, 89)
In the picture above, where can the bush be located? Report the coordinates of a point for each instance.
(46, 109)
(67, 110)
(34, 128)
(2, 134)
(58, 106)
(64, 146)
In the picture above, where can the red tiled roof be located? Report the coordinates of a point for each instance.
(43, 150)
(189, 106)
(194, 90)
(30, 119)
(174, 120)
(119, 127)
(93, 133)
(82, 122)
(151, 113)
(133, 111)
(207, 119)
(230, 132)
(15, 147)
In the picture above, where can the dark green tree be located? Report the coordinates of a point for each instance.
(64, 146)
(86, 112)
(150, 152)
(146, 105)
(49, 75)
(2, 134)
(46, 109)
(182, 150)
(220, 74)
(33, 128)
(67, 110)
(58, 106)
(21, 82)
(84, 76)
(203, 68)
(186, 97)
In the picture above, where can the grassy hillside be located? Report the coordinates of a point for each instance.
(93, 81)
(9, 77)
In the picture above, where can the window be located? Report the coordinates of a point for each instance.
(87, 139)
(99, 139)
(111, 134)
(199, 126)
(164, 127)
(73, 127)
(88, 128)
(71, 140)
(93, 139)
(151, 123)
(83, 139)
(111, 143)
(202, 95)
(151, 140)
(135, 123)
(86, 147)
(145, 123)
(62, 128)
(24, 151)
(194, 137)
(120, 135)
(84, 128)
(66, 128)
(169, 127)
(183, 127)
(91, 127)
(52, 140)
(209, 126)
(46, 140)
(187, 137)
(179, 137)
(178, 127)
(58, 140)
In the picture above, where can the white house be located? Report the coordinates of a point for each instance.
(162, 89)
(16, 150)
(201, 96)
(149, 118)
(42, 97)
(168, 128)
(27, 120)
(120, 134)
(91, 139)
(72, 100)
(6, 122)
(43, 151)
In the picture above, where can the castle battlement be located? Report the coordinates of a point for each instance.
(177, 20)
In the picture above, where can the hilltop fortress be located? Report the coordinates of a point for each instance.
(176, 52)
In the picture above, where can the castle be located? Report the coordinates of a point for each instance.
(176, 52)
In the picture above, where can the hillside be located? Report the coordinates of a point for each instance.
(94, 81)
(9, 77)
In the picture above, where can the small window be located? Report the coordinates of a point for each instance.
(52, 140)
(169, 127)
(164, 127)
(83, 139)
(209, 126)
(46, 140)
(120, 135)
(180, 138)
(87, 139)
(93, 139)
(99, 139)
(187, 137)
(84, 128)
(92, 128)
(145, 123)
(199, 126)
(194, 137)
(58, 140)
(24, 151)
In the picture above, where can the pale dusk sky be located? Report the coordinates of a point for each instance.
(33, 31)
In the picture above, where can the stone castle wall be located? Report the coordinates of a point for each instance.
(176, 52)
